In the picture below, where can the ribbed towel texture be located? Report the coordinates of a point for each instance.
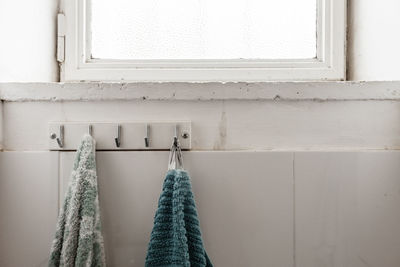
(176, 236)
(78, 240)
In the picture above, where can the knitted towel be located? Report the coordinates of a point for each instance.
(78, 240)
(176, 237)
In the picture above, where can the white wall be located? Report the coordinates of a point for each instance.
(27, 40)
(29, 207)
(373, 45)
(224, 125)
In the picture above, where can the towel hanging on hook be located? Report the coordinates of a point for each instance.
(176, 236)
(78, 240)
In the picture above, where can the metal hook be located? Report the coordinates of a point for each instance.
(90, 129)
(60, 140)
(175, 154)
(176, 135)
(147, 137)
(118, 138)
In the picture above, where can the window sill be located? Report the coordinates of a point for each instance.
(274, 91)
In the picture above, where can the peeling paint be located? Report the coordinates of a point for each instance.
(365, 263)
(220, 143)
(272, 91)
(277, 97)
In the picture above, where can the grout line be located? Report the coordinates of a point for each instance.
(294, 209)
(59, 183)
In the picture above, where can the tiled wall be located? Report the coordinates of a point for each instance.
(275, 209)
(28, 207)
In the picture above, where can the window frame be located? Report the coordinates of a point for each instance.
(328, 65)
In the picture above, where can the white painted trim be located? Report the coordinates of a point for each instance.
(1, 126)
(287, 91)
(329, 64)
(61, 37)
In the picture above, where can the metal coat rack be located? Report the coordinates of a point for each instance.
(121, 135)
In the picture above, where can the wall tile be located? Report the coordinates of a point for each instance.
(28, 207)
(245, 202)
(347, 209)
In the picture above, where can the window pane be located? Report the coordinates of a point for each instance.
(203, 29)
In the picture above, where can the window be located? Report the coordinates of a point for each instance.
(204, 40)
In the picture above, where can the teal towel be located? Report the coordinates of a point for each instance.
(78, 240)
(176, 236)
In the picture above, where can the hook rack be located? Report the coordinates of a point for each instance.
(109, 136)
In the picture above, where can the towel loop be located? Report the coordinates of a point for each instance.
(90, 129)
(60, 140)
(176, 135)
(118, 138)
(175, 154)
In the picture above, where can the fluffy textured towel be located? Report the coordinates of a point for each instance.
(176, 237)
(78, 240)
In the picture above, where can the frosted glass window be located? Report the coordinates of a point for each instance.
(203, 29)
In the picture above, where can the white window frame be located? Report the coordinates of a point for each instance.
(328, 65)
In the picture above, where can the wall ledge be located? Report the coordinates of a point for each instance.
(273, 91)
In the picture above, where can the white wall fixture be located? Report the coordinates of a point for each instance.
(120, 136)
